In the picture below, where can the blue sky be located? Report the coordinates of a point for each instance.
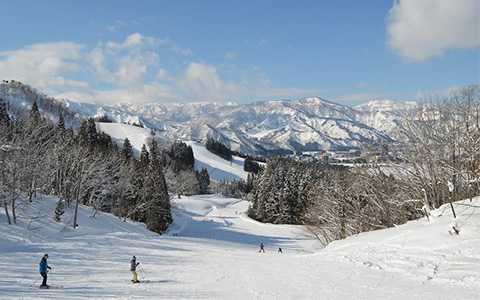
(165, 51)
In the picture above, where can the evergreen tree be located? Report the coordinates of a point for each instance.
(61, 122)
(59, 210)
(34, 114)
(158, 215)
(83, 133)
(249, 165)
(144, 161)
(203, 180)
(4, 117)
(92, 135)
(218, 148)
(178, 157)
(127, 150)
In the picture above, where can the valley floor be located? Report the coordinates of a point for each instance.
(211, 252)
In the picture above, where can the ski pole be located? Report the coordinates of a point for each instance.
(142, 273)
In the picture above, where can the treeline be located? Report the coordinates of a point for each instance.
(440, 164)
(83, 167)
(337, 201)
(218, 148)
(182, 179)
(251, 166)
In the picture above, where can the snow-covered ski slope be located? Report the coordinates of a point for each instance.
(211, 252)
(137, 136)
(218, 168)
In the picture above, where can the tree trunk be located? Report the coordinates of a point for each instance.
(30, 191)
(77, 200)
(6, 212)
(14, 214)
(76, 208)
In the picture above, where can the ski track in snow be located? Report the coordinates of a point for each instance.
(211, 252)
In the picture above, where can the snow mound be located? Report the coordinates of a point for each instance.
(424, 249)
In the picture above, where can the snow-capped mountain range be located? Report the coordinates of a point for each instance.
(259, 128)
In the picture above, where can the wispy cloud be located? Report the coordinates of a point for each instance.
(358, 97)
(231, 55)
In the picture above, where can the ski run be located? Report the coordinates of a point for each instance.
(211, 252)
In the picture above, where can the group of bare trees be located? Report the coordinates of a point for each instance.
(442, 147)
(80, 167)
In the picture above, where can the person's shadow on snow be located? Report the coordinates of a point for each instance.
(158, 281)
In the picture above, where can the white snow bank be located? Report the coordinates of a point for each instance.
(425, 250)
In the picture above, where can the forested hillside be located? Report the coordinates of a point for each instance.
(80, 167)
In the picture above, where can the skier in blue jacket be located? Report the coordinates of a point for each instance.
(42, 268)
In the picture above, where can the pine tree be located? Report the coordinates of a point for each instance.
(59, 210)
(83, 133)
(61, 123)
(127, 150)
(203, 180)
(158, 215)
(35, 113)
(144, 157)
(4, 117)
(92, 134)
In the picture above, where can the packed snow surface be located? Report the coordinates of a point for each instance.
(218, 168)
(211, 252)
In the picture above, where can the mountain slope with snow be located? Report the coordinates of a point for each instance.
(219, 169)
(211, 252)
(260, 128)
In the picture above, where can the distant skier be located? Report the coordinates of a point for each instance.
(262, 248)
(133, 267)
(280, 250)
(43, 269)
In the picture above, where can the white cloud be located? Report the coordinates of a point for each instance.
(201, 81)
(174, 47)
(358, 97)
(126, 63)
(421, 29)
(163, 74)
(138, 94)
(131, 71)
(43, 65)
(131, 41)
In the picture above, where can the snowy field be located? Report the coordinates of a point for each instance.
(211, 252)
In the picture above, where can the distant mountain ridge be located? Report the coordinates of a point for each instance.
(260, 128)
